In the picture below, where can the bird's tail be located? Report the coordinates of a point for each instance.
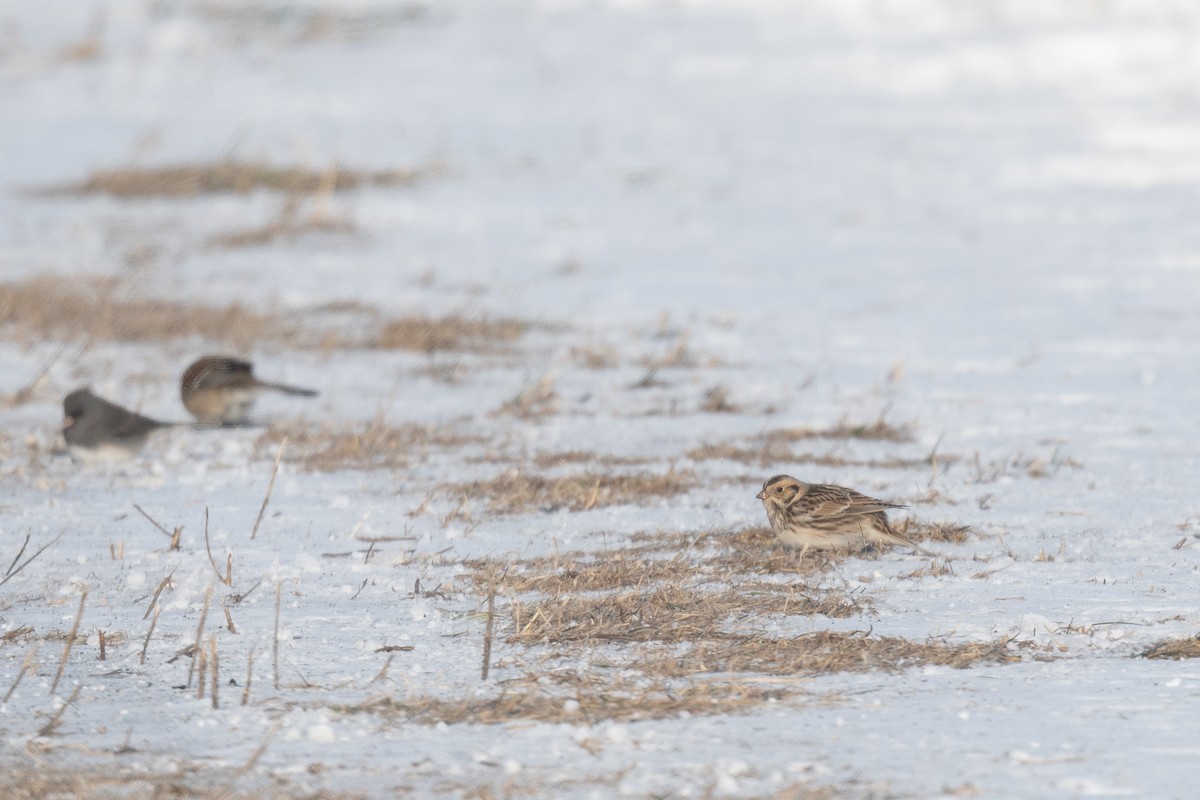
(282, 387)
(898, 539)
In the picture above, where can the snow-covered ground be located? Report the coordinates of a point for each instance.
(975, 217)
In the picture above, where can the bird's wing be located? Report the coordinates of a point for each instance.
(829, 501)
(220, 373)
(129, 425)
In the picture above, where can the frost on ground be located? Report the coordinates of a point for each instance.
(573, 279)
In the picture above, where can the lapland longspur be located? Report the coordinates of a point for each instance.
(823, 517)
(222, 389)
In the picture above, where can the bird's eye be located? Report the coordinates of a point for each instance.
(779, 489)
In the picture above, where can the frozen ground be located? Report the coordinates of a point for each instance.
(977, 217)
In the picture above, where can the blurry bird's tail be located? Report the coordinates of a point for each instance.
(296, 390)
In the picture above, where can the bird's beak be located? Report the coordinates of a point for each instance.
(761, 495)
(68, 421)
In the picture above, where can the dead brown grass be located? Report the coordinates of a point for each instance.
(775, 452)
(54, 776)
(536, 399)
(291, 24)
(663, 613)
(595, 356)
(565, 457)
(819, 653)
(560, 575)
(288, 229)
(880, 430)
(77, 307)
(588, 702)
(1188, 647)
(518, 492)
(717, 400)
(369, 445)
(71, 308)
(450, 332)
(918, 531)
(229, 176)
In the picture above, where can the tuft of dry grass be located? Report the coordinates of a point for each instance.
(663, 613)
(451, 332)
(918, 531)
(295, 24)
(880, 430)
(68, 307)
(588, 702)
(595, 356)
(76, 307)
(228, 176)
(536, 399)
(774, 452)
(1188, 647)
(518, 492)
(287, 228)
(820, 652)
(559, 459)
(717, 401)
(369, 445)
(50, 776)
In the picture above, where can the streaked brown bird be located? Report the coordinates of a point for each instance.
(819, 516)
(96, 430)
(222, 389)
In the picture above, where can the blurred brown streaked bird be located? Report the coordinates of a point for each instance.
(222, 389)
(823, 517)
(96, 430)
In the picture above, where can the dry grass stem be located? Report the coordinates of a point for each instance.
(159, 590)
(20, 552)
(26, 666)
(275, 637)
(25, 393)
(383, 671)
(62, 662)
(198, 648)
(53, 723)
(249, 676)
(227, 578)
(212, 650)
(266, 498)
(15, 570)
(201, 669)
(251, 762)
(487, 633)
(174, 536)
(149, 633)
